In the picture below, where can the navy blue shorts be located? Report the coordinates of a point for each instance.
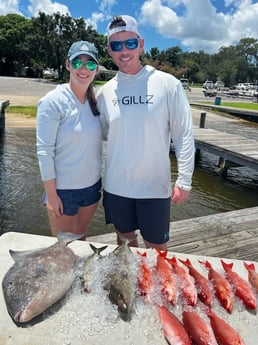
(73, 199)
(150, 216)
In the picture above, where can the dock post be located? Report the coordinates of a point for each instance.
(202, 120)
(202, 125)
(3, 105)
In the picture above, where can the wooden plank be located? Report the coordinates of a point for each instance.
(232, 234)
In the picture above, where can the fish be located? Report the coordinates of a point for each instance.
(145, 278)
(164, 277)
(173, 329)
(224, 333)
(241, 288)
(198, 329)
(221, 286)
(88, 266)
(203, 289)
(252, 275)
(185, 282)
(121, 280)
(39, 278)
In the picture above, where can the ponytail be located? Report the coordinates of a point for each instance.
(92, 100)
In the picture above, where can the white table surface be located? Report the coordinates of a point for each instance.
(85, 319)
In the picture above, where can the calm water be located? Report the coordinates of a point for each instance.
(21, 189)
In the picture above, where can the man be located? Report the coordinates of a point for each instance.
(141, 110)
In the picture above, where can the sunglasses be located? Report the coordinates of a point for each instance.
(90, 65)
(117, 46)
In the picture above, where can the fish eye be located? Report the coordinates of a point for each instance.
(119, 295)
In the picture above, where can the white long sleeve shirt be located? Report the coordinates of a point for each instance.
(68, 140)
(140, 114)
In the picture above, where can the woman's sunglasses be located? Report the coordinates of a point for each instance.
(117, 46)
(90, 65)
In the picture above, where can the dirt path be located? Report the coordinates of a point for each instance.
(12, 120)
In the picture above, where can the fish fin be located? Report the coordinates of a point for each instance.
(205, 263)
(144, 254)
(162, 253)
(97, 250)
(249, 267)
(227, 267)
(186, 262)
(68, 237)
(124, 239)
(172, 261)
(17, 255)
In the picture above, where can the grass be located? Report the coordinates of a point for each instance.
(240, 105)
(250, 106)
(29, 111)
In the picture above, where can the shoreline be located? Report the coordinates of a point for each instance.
(19, 121)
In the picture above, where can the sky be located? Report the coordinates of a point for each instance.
(192, 25)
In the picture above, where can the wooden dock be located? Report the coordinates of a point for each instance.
(232, 234)
(232, 150)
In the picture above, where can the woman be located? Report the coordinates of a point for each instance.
(69, 144)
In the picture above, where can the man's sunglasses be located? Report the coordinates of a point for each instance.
(90, 65)
(117, 46)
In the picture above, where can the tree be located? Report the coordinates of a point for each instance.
(13, 50)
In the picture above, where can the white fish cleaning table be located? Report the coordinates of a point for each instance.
(90, 319)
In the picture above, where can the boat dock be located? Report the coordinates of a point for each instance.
(232, 150)
(232, 234)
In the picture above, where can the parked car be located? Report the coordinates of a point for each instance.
(245, 86)
(50, 73)
(208, 84)
(219, 85)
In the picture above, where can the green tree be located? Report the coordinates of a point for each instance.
(13, 48)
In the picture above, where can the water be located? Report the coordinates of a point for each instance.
(21, 189)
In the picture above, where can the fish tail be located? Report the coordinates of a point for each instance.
(227, 267)
(162, 253)
(172, 261)
(144, 254)
(186, 262)
(68, 237)
(249, 267)
(205, 263)
(97, 250)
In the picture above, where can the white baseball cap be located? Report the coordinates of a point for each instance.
(123, 23)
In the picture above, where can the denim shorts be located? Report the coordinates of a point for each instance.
(150, 216)
(73, 199)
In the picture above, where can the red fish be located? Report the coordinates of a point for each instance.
(165, 278)
(221, 286)
(252, 275)
(173, 329)
(145, 276)
(224, 333)
(198, 329)
(185, 282)
(202, 284)
(240, 287)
